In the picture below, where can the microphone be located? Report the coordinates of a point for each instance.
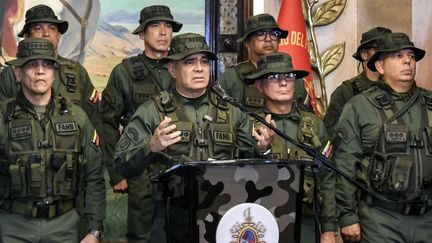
(219, 91)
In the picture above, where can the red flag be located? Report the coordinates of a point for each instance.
(291, 18)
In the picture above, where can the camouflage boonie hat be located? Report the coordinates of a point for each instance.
(32, 49)
(42, 13)
(156, 13)
(187, 44)
(261, 22)
(369, 39)
(394, 42)
(273, 64)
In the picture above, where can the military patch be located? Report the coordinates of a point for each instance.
(224, 137)
(141, 97)
(109, 97)
(65, 127)
(396, 137)
(94, 97)
(185, 136)
(254, 101)
(132, 133)
(95, 138)
(19, 132)
(123, 144)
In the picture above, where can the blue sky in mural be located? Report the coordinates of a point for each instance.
(126, 13)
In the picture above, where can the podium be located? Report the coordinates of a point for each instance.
(197, 195)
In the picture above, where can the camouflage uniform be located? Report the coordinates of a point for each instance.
(130, 84)
(47, 158)
(389, 151)
(354, 86)
(305, 128)
(209, 129)
(71, 79)
(233, 79)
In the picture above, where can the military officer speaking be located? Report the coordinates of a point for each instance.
(48, 154)
(386, 144)
(186, 124)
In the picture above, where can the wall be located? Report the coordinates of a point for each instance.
(409, 16)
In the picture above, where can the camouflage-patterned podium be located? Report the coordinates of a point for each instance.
(205, 191)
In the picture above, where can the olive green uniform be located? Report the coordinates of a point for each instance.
(210, 129)
(342, 94)
(391, 157)
(233, 82)
(46, 160)
(307, 129)
(131, 83)
(71, 81)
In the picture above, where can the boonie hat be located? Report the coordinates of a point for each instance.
(369, 39)
(187, 44)
(261, 22)
(393, 42)
(42, 13)
(273, 64)
(32, 49)
(156, 13)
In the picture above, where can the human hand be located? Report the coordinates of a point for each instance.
(351, 232)
(164, 136)
(264, 135)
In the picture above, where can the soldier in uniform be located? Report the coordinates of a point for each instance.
(275, 80)
(186, 124)
(132, 82)
(71, 79)
(262, 37)
(357, 84)
(48, 154)
(389, 150)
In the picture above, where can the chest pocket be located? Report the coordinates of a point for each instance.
(65, 134)
(142, 92)
(22, 137)
(179, 148)
(223, 139)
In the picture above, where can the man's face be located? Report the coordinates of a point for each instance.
(277, 88)
(157, 38)
(191, 74)
(36, 76)
(398, 68)
(263, 42)
(48, 31)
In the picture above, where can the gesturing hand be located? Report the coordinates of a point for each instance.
(164, 136)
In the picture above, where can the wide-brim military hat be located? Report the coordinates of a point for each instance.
(393, 42)
(32, 49)
(274, 64)
(369, 39)
(156, 13)
(187, 44)
(42, 13)
(261, 22)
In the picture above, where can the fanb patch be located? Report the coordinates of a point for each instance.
(224, 137)
(19, 132)
(65, 127)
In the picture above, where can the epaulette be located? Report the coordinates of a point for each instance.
(378, 98)
(165, 102)
(244, 69)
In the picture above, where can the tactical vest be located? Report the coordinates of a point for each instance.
(251, 97)
(44, 156)
(358, 86)
(71, 79)
(399, 167)
(214, 139)
(143, 83)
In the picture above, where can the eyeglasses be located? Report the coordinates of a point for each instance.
(262, 35)
(278, 78)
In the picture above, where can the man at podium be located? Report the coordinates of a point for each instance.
(188, 123)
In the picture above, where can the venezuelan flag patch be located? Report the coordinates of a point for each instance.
(95, 138)
(328, 149)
